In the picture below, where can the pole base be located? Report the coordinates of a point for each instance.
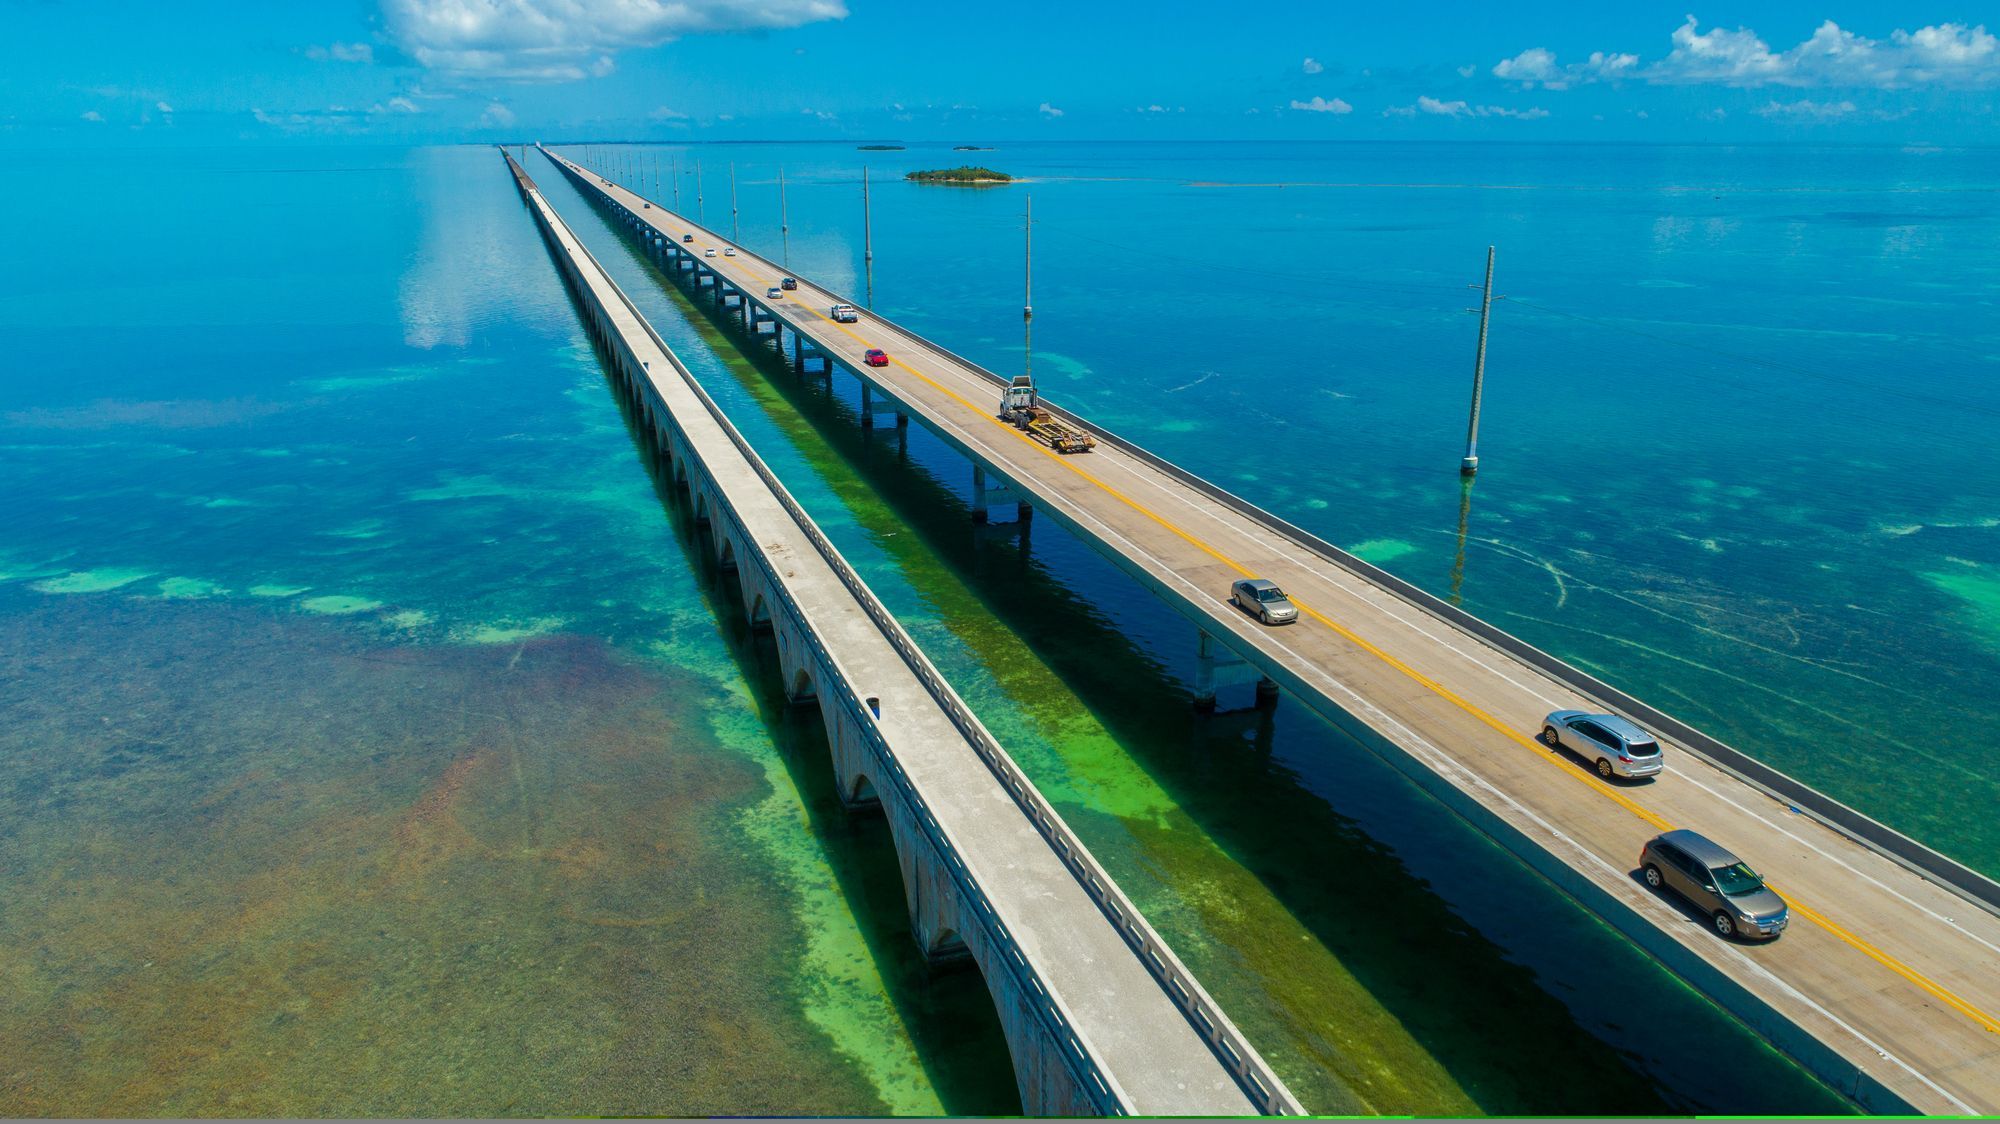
(1468, 466)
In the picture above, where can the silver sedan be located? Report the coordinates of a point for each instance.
(1263, 599)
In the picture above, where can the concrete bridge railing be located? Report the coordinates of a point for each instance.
(987, 938)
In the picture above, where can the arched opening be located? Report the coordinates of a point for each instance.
(802, 690)
(947, 948)
(700, 507)
(861, 794)
(728, 560)
(760, 613)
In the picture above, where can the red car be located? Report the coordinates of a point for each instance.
(875, 357)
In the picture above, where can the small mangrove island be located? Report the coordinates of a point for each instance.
(879, 147)
(966, 174)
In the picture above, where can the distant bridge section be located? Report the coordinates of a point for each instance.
(1100, 1016)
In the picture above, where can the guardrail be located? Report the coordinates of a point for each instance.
(1926, 862)
(1251, 1072)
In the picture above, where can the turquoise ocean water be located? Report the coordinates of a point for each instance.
(378, 743)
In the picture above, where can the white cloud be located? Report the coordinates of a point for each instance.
(163, 107)
(403, 105)
(1467, 71)
(818, 114)
(1949, 54)
(1462, 108)
(1716, 114)
(1312, 66)
(667, 113)
(1321, 105)
(1154, 109)
(496, 116)
(1048, 110)
(1400, 111)
(93, 116)
(564, 40)
(342, 52)
(1536, 66)
(1806, 109)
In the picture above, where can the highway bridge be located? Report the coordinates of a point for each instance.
(1100, 1016)
(1887, 984)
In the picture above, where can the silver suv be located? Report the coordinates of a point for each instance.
(1717, 882)
(1614, 746)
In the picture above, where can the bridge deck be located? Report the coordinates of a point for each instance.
(1897, 976)
(1127, 1021)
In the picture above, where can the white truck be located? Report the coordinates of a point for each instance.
(844, 314)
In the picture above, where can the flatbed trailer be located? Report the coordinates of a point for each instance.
(1020, 408)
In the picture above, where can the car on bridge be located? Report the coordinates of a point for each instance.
(708, 253)
(875, 357)
(729, 251)
(843, 314)
(788, 283)
(687, 237)
(774, 293)
(1614, 746)
(1714, 881)
(1261, 598)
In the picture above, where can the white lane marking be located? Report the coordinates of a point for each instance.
(1154, 482)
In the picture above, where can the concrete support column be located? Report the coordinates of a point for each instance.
(1267, 693)
(867, 407)
(979, 500)
(1204, 672)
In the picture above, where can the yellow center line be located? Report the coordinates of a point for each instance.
(1542, 752)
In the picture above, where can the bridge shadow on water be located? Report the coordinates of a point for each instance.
(946, 1009)
(1551, 1013)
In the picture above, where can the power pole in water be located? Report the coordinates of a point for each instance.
(677, 183)
(735, 228)
(1470, 464)
(784, 227)
(698, 211)
(1028, 288)
(867, 239)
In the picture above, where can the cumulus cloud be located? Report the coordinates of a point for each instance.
(668, 113)
(564, 40)
(1949, 54)
(1321, 105)
(92, 116)
(1048, 110)
(1806, 109)
(1460, 108)
(1467, 71)
(163, 107)
(1537, 66)
(1312, 66)
(402, 105)
(496, 116)
(342, 52)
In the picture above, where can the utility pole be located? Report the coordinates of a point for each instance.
(1028, 288)
(1470, 464)
(677, 183)
(735, 228)
(867, 239)
(784, 227)
(699, 213)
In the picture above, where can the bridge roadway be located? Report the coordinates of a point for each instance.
(1887, 984)
(1100, 1016)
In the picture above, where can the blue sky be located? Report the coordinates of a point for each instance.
(446, 70)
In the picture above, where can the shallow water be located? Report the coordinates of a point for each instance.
(372, 728)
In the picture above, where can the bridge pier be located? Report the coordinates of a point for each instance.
(1216, 666)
